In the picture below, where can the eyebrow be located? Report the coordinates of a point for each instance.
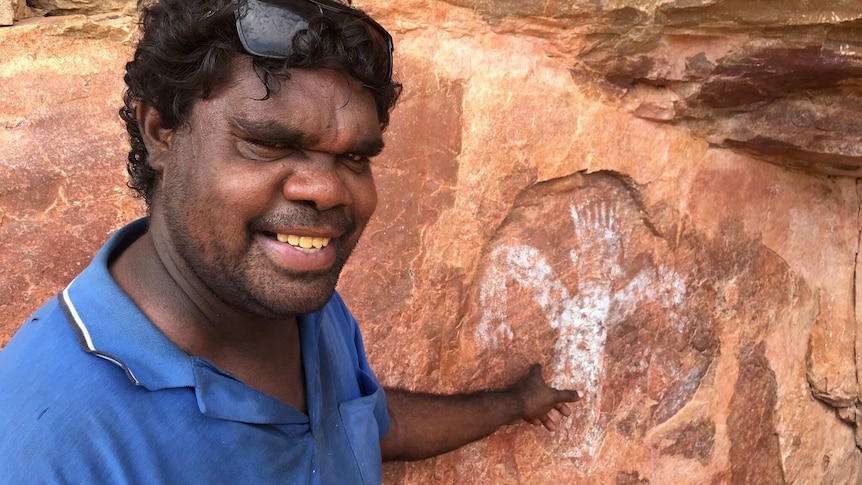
(286, 135)
(270, 131)
(370, 148)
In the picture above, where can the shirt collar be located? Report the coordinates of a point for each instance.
(111, 326)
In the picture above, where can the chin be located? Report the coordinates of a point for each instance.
(293, 300)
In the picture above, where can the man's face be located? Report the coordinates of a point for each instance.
(262, 201)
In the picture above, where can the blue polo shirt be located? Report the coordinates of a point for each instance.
(92, 392)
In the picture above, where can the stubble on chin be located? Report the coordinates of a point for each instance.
(254, 286)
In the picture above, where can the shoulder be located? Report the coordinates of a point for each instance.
(45, 361)
(43, 341)
(54, 398)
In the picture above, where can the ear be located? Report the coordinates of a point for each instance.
(156, 138)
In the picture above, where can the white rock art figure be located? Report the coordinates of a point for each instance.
(581, 313)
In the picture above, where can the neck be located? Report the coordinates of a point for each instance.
(264, 354)
(196, 321)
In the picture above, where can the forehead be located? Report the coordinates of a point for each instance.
(317, 102)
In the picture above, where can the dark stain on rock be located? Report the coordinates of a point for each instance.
(695, 441)
(631, 425)
(774, 72)
(628, 16)
(698, 65)
(754, 450)
(788, 78)
(816, 130)
(628, 70)
(630, 478)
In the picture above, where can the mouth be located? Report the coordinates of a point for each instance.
(305, 244)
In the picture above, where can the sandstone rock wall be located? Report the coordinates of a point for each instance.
(654, 199)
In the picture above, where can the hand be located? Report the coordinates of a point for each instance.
(537, 399)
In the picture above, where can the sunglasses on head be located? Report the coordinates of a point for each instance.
(266, 28)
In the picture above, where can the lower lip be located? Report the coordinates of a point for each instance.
(292, 259)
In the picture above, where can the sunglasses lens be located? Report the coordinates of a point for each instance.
(267, 28)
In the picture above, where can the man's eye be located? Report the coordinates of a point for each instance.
(355, 161)
(261, 149)
(269, 145)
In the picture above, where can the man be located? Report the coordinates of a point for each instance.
(205, 343)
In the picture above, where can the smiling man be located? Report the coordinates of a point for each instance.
(206, 343)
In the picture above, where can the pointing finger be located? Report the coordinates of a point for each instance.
(568, 396)
(549, 424)
(564, 409)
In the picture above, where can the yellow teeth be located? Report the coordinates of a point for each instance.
(305, 244)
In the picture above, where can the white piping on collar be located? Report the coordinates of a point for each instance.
(87, 340)
(77, 319)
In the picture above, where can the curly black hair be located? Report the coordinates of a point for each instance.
(185, 52)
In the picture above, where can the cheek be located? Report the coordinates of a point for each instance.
(231, 188)
(365, 197)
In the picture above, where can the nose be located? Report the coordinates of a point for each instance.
(318, 182)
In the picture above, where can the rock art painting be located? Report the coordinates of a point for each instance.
(577, 272)
(578, 279)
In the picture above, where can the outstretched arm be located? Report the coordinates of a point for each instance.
(426, 425)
